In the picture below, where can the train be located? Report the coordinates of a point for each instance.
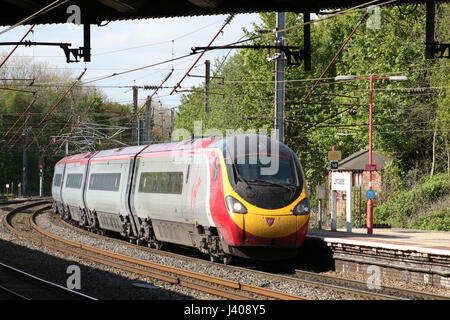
(235, 196)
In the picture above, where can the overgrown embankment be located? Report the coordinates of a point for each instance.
(425, 206)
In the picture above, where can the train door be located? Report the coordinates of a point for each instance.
(187, 189)
(196, 195)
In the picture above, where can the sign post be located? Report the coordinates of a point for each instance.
(341, 181)
(334, 164)
(320, 195)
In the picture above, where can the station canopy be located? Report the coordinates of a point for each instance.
(98, 11)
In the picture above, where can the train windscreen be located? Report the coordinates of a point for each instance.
(252, 170)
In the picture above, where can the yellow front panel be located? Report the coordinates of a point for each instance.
(281, 226)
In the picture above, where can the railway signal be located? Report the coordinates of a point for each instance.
(41, 175)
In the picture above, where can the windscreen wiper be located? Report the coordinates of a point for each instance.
(237, 175)
(259, 181)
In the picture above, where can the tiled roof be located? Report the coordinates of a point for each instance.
(358, 160)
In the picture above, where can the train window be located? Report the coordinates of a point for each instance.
(161, 182)
(74, 180)
(57, 180)
(216, 169)
(104, 181)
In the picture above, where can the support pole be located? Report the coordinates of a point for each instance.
(207, 79)
(41, 185)
(279, 78)
(333, 210)
(148, 122)
(430, 14)
(135, 120)
(25, 163)
(369, 201)
(172, 119)
(87, 42)
(307, 41)
(141, 132)
(319, 222)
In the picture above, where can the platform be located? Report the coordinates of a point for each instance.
(409, 255)
(436, 242)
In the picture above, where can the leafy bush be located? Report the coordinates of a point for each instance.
(439, 220)
(435, 187)
(403, 206)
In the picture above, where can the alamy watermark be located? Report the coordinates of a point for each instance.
(374, 21)
(258, 146)
(374, 280)
(74, 18)
(74, 280)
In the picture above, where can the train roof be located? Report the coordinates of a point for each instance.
(131, 151)
(121, 153)
(182, 145)
(197, 143)
(81, 157)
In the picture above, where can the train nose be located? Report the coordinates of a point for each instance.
(273, 230)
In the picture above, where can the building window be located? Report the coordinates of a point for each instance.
(74, 180)
(161, 182)
(104, 181)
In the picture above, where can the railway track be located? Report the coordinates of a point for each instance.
(353, 288)
(216, 286)
(16, 284)
(227, 289)
(24, 225)
(363, 286)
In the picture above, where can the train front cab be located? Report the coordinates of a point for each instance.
(267, 234)
(269, 215)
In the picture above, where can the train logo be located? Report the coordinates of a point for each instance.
(270, 221)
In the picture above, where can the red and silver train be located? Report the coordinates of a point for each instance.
(243, 195)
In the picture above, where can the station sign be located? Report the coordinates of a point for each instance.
(320, 192)
(334, 155)
(334, 164)
(370, 194)
(372, 167)
(340, 181)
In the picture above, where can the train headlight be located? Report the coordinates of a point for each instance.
(302, 208)
(235, 206)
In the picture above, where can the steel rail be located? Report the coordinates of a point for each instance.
(26, 286)
(352, 287)
(342, 288)
(361, 285)
(181, 277)
(27, 280)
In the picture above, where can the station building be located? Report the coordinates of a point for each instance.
(355, 164)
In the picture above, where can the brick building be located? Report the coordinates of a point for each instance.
(356, 165)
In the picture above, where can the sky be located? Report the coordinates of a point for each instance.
(123, 45)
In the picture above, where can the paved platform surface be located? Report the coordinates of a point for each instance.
(434, 242)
